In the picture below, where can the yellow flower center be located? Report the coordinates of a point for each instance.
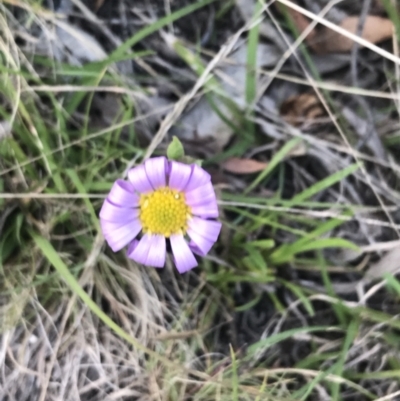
(164, 212)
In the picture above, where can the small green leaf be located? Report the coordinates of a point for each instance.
(263, 243)
(175, 149)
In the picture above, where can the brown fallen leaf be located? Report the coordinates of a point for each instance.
(323, 40)
(299, 108)
(375, 30)
(237, 165)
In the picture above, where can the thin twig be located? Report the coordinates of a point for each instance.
(342, 31)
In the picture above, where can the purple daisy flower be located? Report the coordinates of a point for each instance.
(162, 200)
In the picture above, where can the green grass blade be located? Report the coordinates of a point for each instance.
(392, 282)
(300, 294)
(277, 338)
(325, 183)
(81, 189)
(279, 157)
(251, 69)
(235, 378)
(352, 331)
(329, 243)
(338, 308)
(251, 65)
(161, 23)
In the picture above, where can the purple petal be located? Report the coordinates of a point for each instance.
(183, 256)
(208, 229)
(199, 244)
(180, 174)
(206, 210)
(156, 171)
(123, 194)
(198, 178)
(150, 250)
(138, 250)
(203, 234)
(120, 234)
(200, 195)
(111, 212)
(138, 177)
(156, 255)
(132, 246)
(202, 250)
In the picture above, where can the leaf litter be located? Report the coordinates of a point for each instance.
(242, 297)
(323, 40)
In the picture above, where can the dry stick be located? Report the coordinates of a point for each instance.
(290, 51)
(342, 31)
(14, 61)
(314, 213)
(339, 129)
(90, 261)
(87, 13)
(180, 106)
(84, 88)
(371, 133)
(86, 138)
(57, 345)
(342, 149)
(389, 397)
(381, 246)
(12, 20)
(331, 86)
(34, 195)
(368, 136)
